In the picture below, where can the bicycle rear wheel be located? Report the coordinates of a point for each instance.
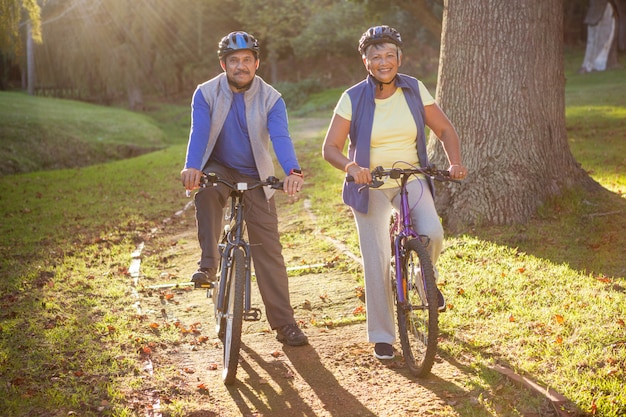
(233, 314)
(418, 316)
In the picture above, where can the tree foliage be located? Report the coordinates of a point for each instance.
(111, 47)
(107, 49)
(428, 13)
(14, 13)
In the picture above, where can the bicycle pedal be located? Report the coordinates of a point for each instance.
(254, 314)
(207, 286)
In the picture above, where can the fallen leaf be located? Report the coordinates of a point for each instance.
(559, 318)
(358, 310)
(511, 318)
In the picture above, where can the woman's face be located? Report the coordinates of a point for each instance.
(382, 61)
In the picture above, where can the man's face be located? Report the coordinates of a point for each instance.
(240, 67)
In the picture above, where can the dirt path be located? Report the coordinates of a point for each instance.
(336, 375)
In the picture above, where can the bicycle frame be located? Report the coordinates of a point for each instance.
(406, 232)
(233, 237)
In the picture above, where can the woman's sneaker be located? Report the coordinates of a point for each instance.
(383, 351)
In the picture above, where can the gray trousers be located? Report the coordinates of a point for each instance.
(373, 229)
(262, 229)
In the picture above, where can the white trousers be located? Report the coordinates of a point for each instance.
(373, 229)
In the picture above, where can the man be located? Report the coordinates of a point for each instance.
(234, 117)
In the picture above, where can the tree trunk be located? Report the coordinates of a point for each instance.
(30, 59)
(501, 83)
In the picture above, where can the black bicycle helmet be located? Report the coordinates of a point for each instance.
(237, 41)
(379, 34)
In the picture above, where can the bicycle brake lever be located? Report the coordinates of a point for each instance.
(376, 183)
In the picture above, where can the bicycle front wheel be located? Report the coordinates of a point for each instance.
(234, 314)
(418, 316)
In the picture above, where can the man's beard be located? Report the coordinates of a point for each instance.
(240, 86)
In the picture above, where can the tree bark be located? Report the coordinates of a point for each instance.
(502, 84)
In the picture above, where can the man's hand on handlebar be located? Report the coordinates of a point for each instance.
(190, 178)
(293, 184)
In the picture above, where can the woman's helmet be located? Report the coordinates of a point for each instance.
(377, 35)
(237, 41)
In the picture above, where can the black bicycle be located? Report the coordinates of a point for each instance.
(414, 283)
(231, 293)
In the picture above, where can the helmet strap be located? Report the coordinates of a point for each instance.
(380, 83)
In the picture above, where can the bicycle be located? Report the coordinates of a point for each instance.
(231, 293)
(414, 287)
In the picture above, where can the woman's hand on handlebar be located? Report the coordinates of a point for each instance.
(191, 178)
(359, 174)
(457, 171)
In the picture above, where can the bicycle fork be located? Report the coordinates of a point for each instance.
(249, 313)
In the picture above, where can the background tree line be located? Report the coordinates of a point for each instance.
(103, 50)
(499, 68)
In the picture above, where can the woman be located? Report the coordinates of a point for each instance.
(384, 117)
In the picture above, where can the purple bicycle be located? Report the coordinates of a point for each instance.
(414, 284)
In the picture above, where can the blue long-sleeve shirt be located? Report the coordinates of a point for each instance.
(233, 147)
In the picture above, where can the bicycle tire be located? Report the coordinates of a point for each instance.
(418, 317)
(234, 314)
(220, 321)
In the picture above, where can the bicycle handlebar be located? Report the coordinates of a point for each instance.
(211, 179)
(379, 173)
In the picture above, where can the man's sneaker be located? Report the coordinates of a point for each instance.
(442, 301)
(204, 278)
(383, 351)
(291, 335)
